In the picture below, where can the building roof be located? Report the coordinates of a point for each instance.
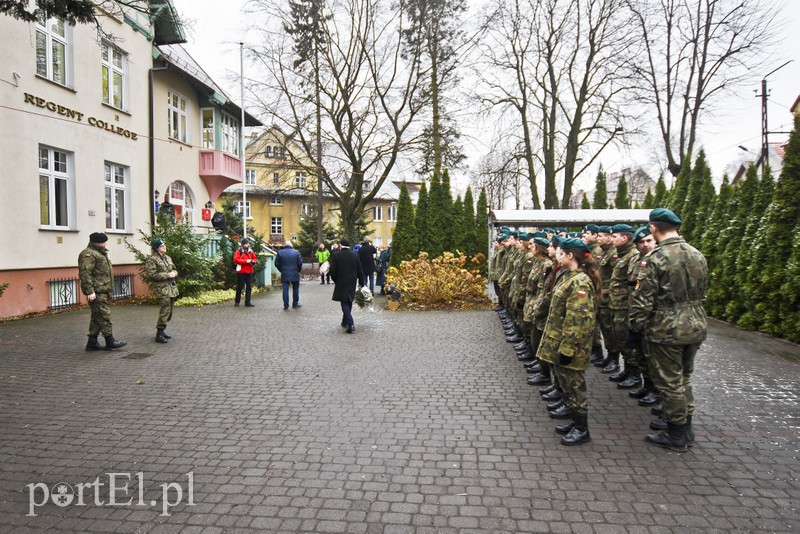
(795, 105)
(166, 24)
(178, 57)
(566, 217)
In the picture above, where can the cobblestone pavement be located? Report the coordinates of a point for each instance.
(419, 422)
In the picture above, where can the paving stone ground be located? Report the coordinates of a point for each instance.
(419, 422)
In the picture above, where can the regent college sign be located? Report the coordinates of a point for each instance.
(77, 115)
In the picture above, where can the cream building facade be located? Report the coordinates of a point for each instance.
(90, 132)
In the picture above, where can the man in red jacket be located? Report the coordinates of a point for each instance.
(245, 259)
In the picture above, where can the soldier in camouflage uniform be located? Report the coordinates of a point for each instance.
(541, 309)
(539, 269)
(97, 282)
(494, 267)
(644, 243)
(604, 317)
(618, 303)
(590, 238)
(667, 309)
(160, 273)
(519, 296)
(567, 339)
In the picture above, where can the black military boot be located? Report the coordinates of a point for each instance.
(535, 368)
(166, 335)
(514, 338)
(597, 354)
(548, 389)
(553, 395)
(647, 386)
(556, 405)
(634, 380)
(659, 423)
(613, 364)
(674, 438)
(689, 431)
(160, 337)
(652, 397)
(92, 344)
(619, 376)
(540, 379)
(580, 430)
(112, 343)
(562, 412)
(565, 428)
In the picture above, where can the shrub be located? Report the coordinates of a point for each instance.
(447, 282)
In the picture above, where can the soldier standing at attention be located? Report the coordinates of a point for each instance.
(618, 303)
(567, 339)
(667, 309)
(604, 317)
(590, 238)
(644, 244)
(97, 282)
(160, 272)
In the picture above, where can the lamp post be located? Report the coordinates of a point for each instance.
(764, 129)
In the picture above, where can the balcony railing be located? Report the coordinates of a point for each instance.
(219, 170)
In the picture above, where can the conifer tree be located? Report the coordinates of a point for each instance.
(482, 223)
(600, 200)
(649, 201)
(585, 204)
(660, 197)
(404, 239)
(435, 243)
(422, 219)
(716, 222)
(790, 324)
(679, 191)
(456, 233)
(781, 218)
(468, 243)
(447, 216)
(622, 200)
(699, 184)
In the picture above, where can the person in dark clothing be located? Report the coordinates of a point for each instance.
(290, 263)
(346, 273)
(367, 256)
(382, 268)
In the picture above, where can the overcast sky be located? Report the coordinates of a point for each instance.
(216, 28)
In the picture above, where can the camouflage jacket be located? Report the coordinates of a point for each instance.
(494, 263)
(667, 301)
(94, 269)
(617, 287)
(156, 273)
(538, 269)
(597, 252)
(634, 268)
(520, 280)
(606, 267)
(499, 264)
(544, 293)
(508, 269)
(567, 338)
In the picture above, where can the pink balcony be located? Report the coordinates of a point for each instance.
(219, 170)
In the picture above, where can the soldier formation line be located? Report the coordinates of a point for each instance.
(563, 296)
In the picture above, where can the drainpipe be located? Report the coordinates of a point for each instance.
(151, 147)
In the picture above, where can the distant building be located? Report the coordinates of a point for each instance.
(638, 183)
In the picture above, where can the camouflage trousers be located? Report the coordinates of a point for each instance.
(638, 358)
(597, 337)
(165, 312)
(573, 384)
(619, 334)
(535, 337)
(100, 323)
(671, 368)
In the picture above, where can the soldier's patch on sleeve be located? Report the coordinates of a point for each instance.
(644, 264)
(581, 293)
(87, 255)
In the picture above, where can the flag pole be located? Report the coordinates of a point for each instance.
(241, 141)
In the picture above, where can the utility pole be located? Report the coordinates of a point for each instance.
(764, 127)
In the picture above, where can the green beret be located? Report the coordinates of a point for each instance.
(515, 233)
(556, 241)
(621, 228)
(664, 215)
(157, 243)
(505, 229)
(541, 241)
(575, 245)
(549, 230)
(540, 234)
(604, 230)
(591, 227)
(641, 232)
(577, 235)
(501, 237)
(561, 229)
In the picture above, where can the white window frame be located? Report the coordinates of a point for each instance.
(207, 134)
(49, 34)
(250, 176)
(184, 204)
(174, 113)
(276, 178)
(229, 126)
(392, 212)
(367, 186)
(377, 213)
(55, 173)
(306, 209)
(247, 214)
(108, 69)
(300, 180)
(276, 201)
(268, 151)
(276, 225)
(113, 188)
(377, 242)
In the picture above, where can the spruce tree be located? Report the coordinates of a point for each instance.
(711, 244)
(679, 191)
(585, 204)
(468, 243)
(649, 201)
(422, 220)
(456, 233)
(622, 200)
(482, 224)
(404, 238)
(435, 244)
(700, 173)
(790, 324)
(447, 216)
(660, 197)
(780, 220)
(600, 200)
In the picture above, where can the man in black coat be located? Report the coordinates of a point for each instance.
(346, 272)
(367, 256)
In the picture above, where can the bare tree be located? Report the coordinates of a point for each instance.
(502, 173)
(695, 50)
(370, 98)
